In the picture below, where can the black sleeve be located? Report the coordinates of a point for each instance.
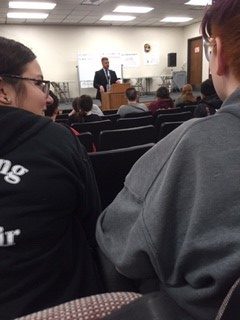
(114, 77)
(96, 80)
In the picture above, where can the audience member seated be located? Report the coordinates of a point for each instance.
(203, 110)
(186, 96)
(82, 110)
(209, 95)
(52, 108)
(133, 105)
(48, 196)
(52, 112)
(96, 110)
(163, 100)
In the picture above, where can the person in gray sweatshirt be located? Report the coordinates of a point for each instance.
(177, 219)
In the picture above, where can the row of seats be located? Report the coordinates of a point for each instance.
(132, 122)
(96, 127)
(113, 116)
(123, 138)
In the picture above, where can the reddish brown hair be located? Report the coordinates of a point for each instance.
(223, 19)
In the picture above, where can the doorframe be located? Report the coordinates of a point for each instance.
(188, 56)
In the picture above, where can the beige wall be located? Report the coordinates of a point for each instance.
(57, 47)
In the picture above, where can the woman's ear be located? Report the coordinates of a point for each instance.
(5, 98)
(221, 61)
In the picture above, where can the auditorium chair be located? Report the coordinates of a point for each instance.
(183, 104)
(134, 122)
(66, 111)
(166, 111)
(94, 127)
(167, 127)
(113, 117)
(182, 116)
(86, 138)
(111, 111)
(139, 114)
(190, 108)
(112, 166)
(129, 137)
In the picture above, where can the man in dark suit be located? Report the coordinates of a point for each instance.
(104, 78)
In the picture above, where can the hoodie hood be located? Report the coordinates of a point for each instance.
(18, 125)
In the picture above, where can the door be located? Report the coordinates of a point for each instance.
(195, 62)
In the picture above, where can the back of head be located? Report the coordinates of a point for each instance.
(207, 88)
(203, 110)
(52, 109)
(131, 94)
(222, 20)
(85, 103)
(187, 89)
(75, 104)
(162, 93)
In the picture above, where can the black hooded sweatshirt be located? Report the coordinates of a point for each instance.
(48, 209)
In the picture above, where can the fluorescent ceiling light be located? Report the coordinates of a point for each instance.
(27, 15)
(31, 5)
(199, 2)
(176, 19)
(132, 9)
(117, 18)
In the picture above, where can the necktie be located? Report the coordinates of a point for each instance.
(107, 76)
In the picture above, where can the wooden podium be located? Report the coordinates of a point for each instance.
(116, 97)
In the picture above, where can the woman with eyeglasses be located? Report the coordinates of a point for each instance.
(177, 219)
(48, 196)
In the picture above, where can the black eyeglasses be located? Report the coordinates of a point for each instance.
(44, 85)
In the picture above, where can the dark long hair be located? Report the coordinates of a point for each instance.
(13, 59)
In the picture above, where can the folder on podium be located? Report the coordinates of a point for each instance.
(115, 97)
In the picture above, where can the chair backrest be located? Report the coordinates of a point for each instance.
(94, 127)
(86, 138)
(190, 108)
(182, 116)
(167, 127)
(111, 167)
(66, 111)
(113, 117)
(167, 111)
(111, 111)
(139, 114)
(134, 122)
(184, 104)
(92, 307)
(128, 137)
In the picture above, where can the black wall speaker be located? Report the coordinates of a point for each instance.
(172, 59)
